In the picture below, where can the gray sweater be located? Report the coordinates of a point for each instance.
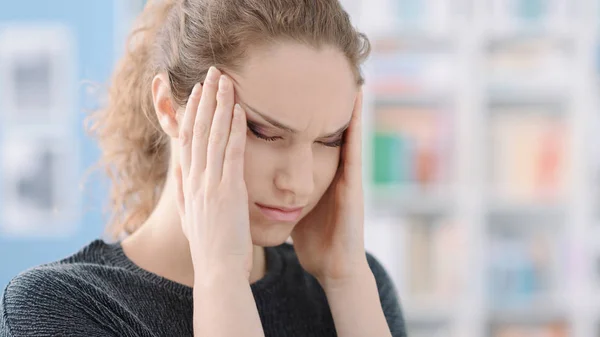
(100, 292)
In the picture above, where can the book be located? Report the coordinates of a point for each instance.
(435, 262)
(528, 155)
(525, 265)
(412, 145)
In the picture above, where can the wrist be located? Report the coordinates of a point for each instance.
(213, 267)
(215, 277)
(361, 277)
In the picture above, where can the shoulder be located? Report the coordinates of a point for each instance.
(49, 297)
(389, 298)
(376, 266)
(58, 276)
(67, 276)
(38, 298)
(383, 278)
(51, 279)
(385, 284)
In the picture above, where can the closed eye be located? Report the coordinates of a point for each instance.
(335, 143)
(259, 135)
(255, 131)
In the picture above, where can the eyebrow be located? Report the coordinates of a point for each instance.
(290, 129)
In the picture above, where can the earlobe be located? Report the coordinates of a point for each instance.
(166, 111)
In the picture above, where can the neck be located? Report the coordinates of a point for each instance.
(160, 246)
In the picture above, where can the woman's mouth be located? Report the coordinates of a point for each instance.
(276, 213)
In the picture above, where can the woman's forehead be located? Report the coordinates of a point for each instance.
(295, 81)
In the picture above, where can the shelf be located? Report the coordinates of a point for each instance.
(497, 206)
(416, 99)
(529, 33)
(531, 316)
(511, 103)
(430, 313)
(555, 98)
(510, 38)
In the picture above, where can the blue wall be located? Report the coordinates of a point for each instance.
(93, 22)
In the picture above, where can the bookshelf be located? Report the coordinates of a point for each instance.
(480, 126)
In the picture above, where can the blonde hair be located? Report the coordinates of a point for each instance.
(183, 38)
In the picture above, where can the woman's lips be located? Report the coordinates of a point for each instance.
(276, 213)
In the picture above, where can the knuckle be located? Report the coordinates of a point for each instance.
(224, 99)
(223, 95)
(227, 183)
(194, 183)
(200, 130)
(218, 137)
(230, 182)
(235, 152)
(236, 188)
(210, 196)
(198, 194)
(198, 199)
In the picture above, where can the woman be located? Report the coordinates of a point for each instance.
(231, 125)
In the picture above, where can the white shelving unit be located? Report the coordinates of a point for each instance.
(468, 35)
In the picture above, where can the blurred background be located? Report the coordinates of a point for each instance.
(481, 166)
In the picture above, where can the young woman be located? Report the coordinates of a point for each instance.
(231, 126)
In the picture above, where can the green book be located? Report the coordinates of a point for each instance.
(388, 149)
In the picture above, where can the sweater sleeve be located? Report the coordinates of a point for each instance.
(388, 296)
(46, 303)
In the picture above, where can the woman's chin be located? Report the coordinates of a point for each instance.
(270, 235)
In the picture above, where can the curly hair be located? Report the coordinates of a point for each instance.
(183, 38)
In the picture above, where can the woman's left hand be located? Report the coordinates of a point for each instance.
(329, 241)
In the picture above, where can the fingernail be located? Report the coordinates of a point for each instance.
(223, 83)
(211, 77)
(196, 88)
(237, 109)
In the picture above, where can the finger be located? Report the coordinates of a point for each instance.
(202, 124)
(186, 129)
(234, 154)
(180, 195)
(352, 152)
(219, 131)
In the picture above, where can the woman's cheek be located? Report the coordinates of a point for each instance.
(326, 163)
(256, 159)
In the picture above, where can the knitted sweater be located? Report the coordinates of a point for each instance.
(100, 292)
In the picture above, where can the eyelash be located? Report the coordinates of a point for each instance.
(261, 136)
(336, 143)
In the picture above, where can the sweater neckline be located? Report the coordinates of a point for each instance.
(113, 254)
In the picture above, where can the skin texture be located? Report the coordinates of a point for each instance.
(208, 231)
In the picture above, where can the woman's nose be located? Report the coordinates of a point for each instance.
(296, 176)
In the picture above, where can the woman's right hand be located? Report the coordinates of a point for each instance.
(212, 197)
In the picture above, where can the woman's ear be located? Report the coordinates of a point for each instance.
(166, 109)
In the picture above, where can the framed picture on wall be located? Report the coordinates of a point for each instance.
(39, 186)
(37, 74)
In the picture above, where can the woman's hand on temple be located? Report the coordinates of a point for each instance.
(329, 241)
(212, 194)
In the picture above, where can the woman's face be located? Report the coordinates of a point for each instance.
(298, 101)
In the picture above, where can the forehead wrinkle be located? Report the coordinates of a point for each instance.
(277, 124)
